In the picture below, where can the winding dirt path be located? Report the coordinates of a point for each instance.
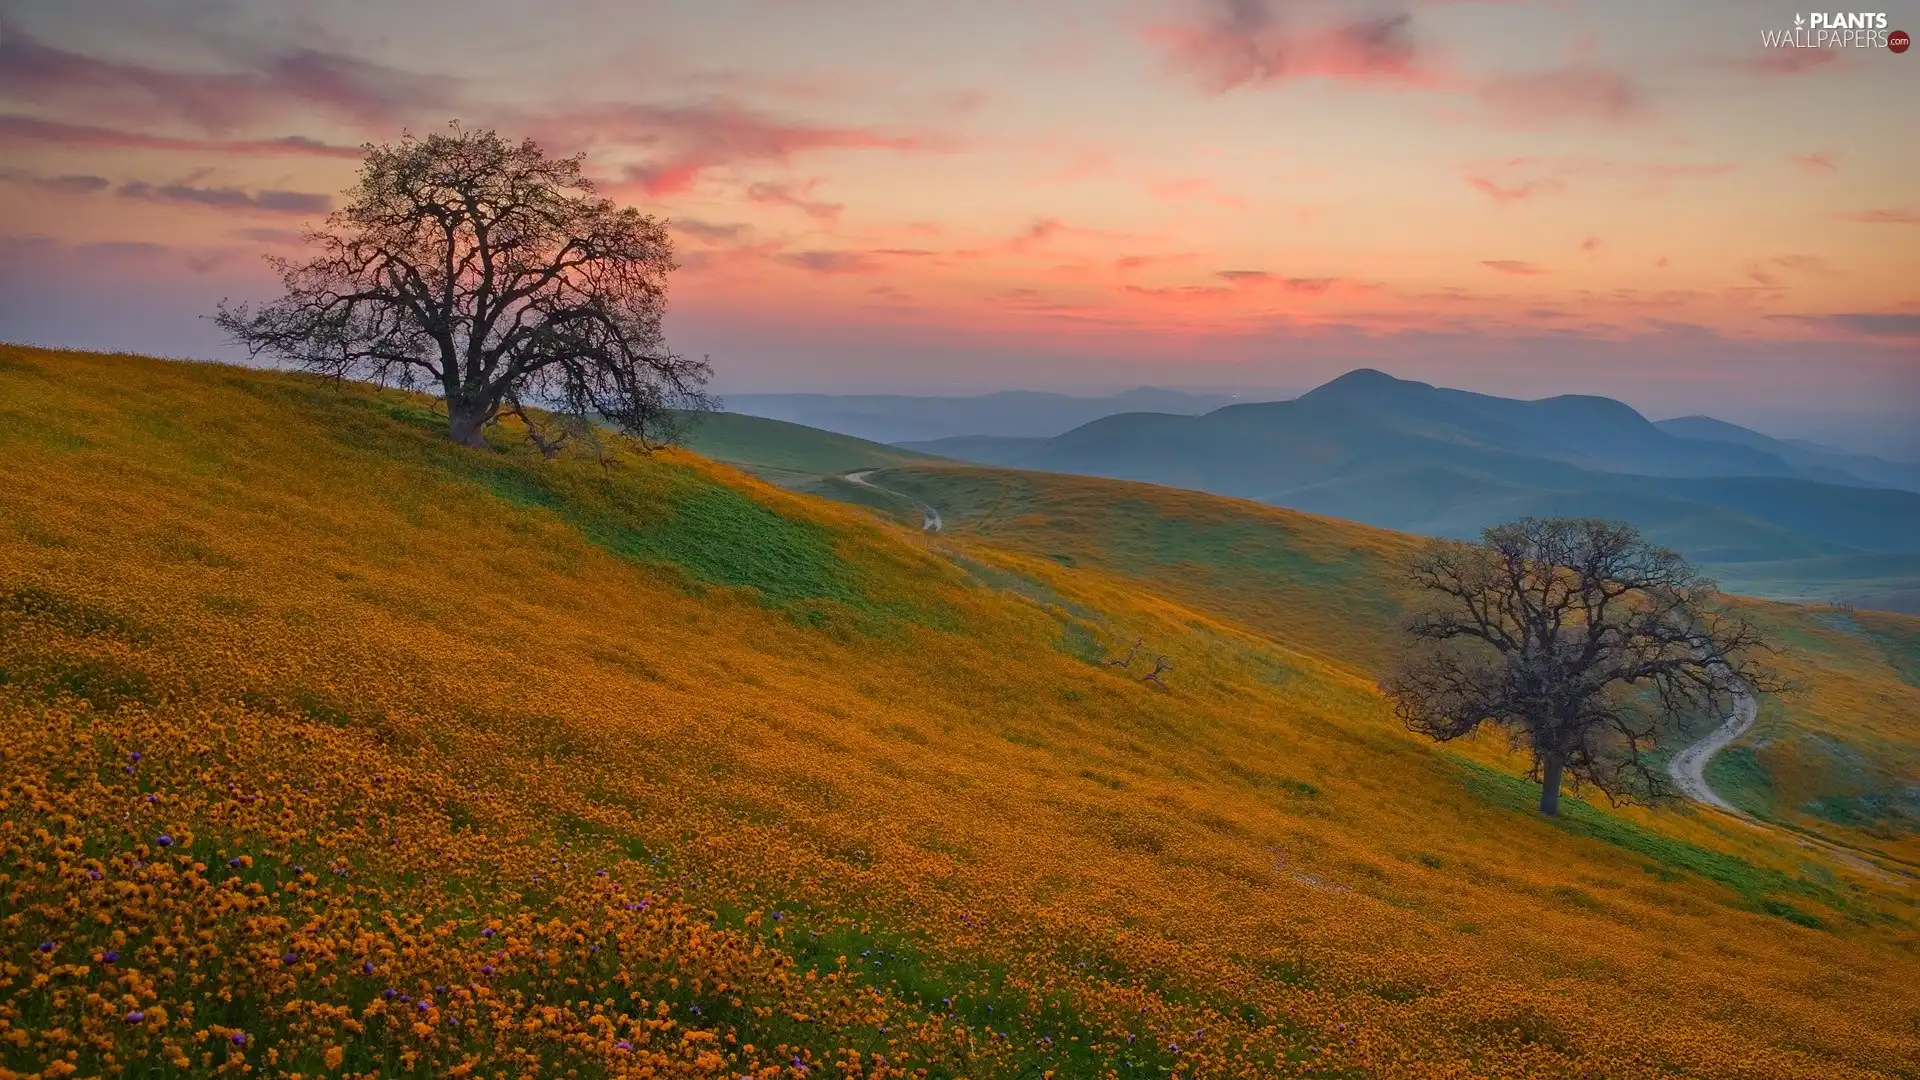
(930, 516)
(1689, 770)
(1689, 767)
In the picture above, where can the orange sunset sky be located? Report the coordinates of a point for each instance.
(1626, 198)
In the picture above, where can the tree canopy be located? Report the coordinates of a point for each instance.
(494, 273)
(1584, 641)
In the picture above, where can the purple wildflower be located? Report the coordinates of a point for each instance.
(111, 956)
(624, 1046)
(136, 1016)
(163, 840)
(46, 946)
(366, 967)
(239, 1038)
(291, 958)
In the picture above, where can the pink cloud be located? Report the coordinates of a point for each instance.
(1044, 231)
(1517, 192)
(1227, 44)
(830, 262)
(1512, 266)
(710, 232)
(16, 130)
(259, 87)
(797, 196)
(179, 193)
(1822, 162)
(226, 198)
(687, 141)
(1247, 277)
(1576, 92)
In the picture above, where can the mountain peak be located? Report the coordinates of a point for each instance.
(1363, 384)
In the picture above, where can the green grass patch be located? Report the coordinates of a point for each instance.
(755, 441)
(1737, 775)
(1043, 1030)
(1756, 884)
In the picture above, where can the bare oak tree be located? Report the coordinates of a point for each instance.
(493, 273)
(1581, 639)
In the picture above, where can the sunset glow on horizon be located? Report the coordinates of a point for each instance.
(921, 197)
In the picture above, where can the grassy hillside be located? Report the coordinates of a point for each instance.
(1840, 756)
(754, 442)
(332, 748)
(800, 458)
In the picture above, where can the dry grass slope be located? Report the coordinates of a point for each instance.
(332, 749)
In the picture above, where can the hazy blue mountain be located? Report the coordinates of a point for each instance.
(1812, 459)
(1593, 432)
(897, 418)
(1441, 462)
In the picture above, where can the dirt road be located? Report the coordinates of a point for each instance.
(930, 516)
(1689, 767)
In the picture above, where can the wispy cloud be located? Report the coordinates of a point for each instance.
(258, 86)
(1580, 91)
(1515, 192)
(65, 184)
(226, 198)
(1880, 217)
(1227, 44)
(830, 262)
(1512, 266)
(798, 196)
(684, 142)
(17, 130)
(710, 231)
(1868, 323)
(182, 193)
(1815, 163)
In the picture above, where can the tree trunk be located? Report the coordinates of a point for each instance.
(1550, 784)
(464, 423)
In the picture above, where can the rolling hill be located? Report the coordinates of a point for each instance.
(800, 458)
(1011, 413)
(1412, 457)
(1815, 461)
(331, 747)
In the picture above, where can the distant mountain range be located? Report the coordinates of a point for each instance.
(1424, 459)
(895, 418)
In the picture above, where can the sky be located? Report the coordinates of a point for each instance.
(1636, 199)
